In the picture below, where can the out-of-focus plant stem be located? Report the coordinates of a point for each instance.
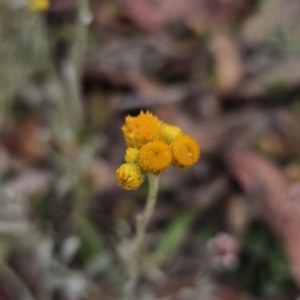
(139, 240)
(72, 65)
(67, 119)
(19, 289)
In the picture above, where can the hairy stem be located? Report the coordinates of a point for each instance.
(139, 240)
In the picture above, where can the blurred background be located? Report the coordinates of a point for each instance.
(226, 71)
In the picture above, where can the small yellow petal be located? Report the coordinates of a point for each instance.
(185, 151)
(168, 133)
(155, 157)
(130, 176)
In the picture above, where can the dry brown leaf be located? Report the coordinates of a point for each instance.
(284, 74)
(200, 15)
(269, 192)
(101, 174)
(28, 137)
(238, 214)
(229, 66)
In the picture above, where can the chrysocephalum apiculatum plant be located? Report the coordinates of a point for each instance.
(152, 146)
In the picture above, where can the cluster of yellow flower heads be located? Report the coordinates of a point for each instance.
(152, 147)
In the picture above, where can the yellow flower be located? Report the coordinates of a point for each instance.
(141, 130)
(132, 155)
(185, 151)
(130, 176)
(168, 133)
(39, 5)
(155, 157)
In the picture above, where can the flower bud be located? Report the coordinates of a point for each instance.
(132, 155)
(168, 133)
(130, 176)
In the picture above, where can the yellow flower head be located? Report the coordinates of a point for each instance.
(185, 151)
(132, 155)
(168, 133)
(141, 130)
(39, 5)
(155, 157)
(130, 176)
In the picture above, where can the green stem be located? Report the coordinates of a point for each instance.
(139, 240)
